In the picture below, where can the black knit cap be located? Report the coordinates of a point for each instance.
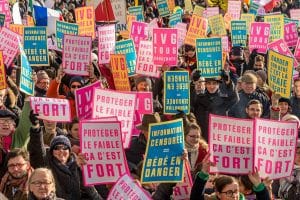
(287, 100)
(61, 139)
(77, 79)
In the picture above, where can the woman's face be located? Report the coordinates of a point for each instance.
(41, 185)
(284, 107)
(61, 153)
(193, 137)
(74, 131)
(143, 87)
(229, 192)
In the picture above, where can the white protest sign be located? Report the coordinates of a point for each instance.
(106, 43)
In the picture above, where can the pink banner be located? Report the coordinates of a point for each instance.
(76, 54)
(51, 109)
(139, 31)
(9, 45)
(84, 99)
(111, 103)
(101, 143)
(126, 188)
(182, 30)
(144, 64)
(182, 191)
(275, 148)
(281, 47)
(5, 9)
(231, 144)
(144, 103)
(297, 50)
(165, 48)
(290, 34)
(295, 14)
(234, 9)
(259, 36)
(106, 43)
(225, 45)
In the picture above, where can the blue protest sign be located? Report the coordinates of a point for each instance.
(137, 11)
(26, 82)
(238, 33)
(209, 56)
(176, 92)
(253, 8)
(175, 18)
(35, 45)
(165, 146)
(163, 8)
(64, 28)
(126, 47)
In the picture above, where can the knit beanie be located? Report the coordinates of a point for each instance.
(61, 139)
(77, 79)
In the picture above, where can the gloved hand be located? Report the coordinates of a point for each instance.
(33, 118)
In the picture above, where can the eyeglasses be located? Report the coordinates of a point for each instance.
(75, 86)
(230, 193)
(40, 183)
(18, 165)
(194, 136)
(7, 121)
(61, 147)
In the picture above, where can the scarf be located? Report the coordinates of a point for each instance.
(193, 152)
(8, 182)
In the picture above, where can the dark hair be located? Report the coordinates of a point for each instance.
(74, 121)
(254, 101)
(17, 152)
(221, 181)
(244, 179)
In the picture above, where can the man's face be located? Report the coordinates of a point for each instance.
(254, 111)
(43, 84)
(248, 88)
(74, 86)
(7, 126)
(212, 86)
(199, 85)
(297, 88)
(18, 167)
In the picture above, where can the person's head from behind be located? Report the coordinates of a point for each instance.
(41, 183)
(254, 109)
(249, 82)
(226, 188)
(60, 147)
(18, 163)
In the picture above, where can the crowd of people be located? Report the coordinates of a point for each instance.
(41, 159)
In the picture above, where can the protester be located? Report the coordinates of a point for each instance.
(254, 109)
(7, 128)
(14, 183)
(295, 99)
(42, 84)
(73, 135)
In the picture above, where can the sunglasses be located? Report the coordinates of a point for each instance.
(61, 147)
(75, 86)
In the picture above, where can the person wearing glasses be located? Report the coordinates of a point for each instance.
(42, 185)
(226, 187)
(196, 146)
(60, 159)
(14, 183)
(42, 83)
(74, 83)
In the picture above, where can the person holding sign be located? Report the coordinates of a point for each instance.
(226, 187)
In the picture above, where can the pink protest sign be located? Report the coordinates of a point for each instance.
(106, 43)
(111, 103)
(52, 44)
(9, 45)
(153, 24)
(297, 50)
(139, 31)
(76, 54)
(281, 47)
(51, 109)
(5, 9)
(165, 48)
(101, 143)
(211, 11)
(290, 34)
(225, 45)
(231, 144)
(126, 188)
(144, 102)
(295, 14)
(144, 64)
(234, 10)
(181, 27)
(259, 36)
(182, 191)
(83, 100)
(275, 147)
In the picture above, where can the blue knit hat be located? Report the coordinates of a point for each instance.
(61, 139)
(78, 79)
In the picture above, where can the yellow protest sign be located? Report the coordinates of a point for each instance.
(85, 18)
(249, 18)
(188, 5)
(17, 28)
(280, 72)
(277, 26)
(197, 29)
(2, 73)
(217, 25)
(171, 5)
(198, 10)
(120, 72)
